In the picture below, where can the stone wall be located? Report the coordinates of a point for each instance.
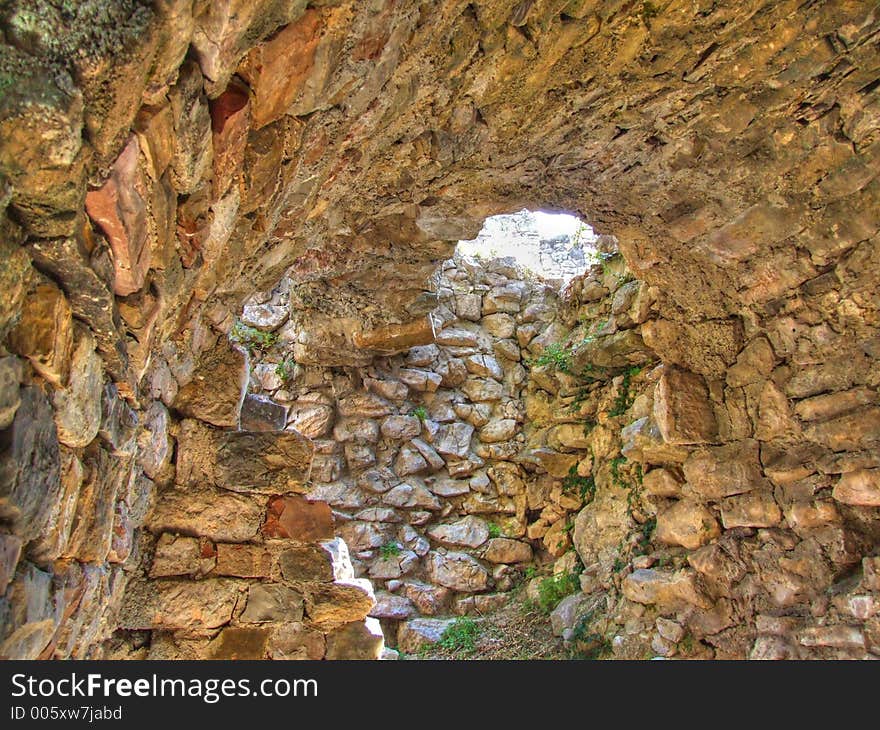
(731, 506)
(418, 453)
(682, 506)
(159, 163)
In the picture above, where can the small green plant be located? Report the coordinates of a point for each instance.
(389, 550)
(251, 337)
(531, 572)
(419, 412)
(648, 11)
(494, 530)
(593, 373)
(585, 487)
(687, 643)
(557, 356)
(460, 635)
(616, 477)
(645, 537)
(580, 397)
(587, 643)
(553, 589)
(285, 369)
(624, 398)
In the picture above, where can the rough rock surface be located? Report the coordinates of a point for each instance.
(162, 168)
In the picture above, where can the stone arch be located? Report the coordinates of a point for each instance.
(156, 173)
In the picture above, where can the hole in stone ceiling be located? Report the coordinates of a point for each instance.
(555, 246)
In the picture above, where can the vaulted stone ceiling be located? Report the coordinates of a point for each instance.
(731, 147)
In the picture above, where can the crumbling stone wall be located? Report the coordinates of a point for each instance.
(708, 532)
(418, 453)
(159, 163)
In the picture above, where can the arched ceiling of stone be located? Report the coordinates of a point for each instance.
(730, 146)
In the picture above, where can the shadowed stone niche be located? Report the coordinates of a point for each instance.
(252, 405)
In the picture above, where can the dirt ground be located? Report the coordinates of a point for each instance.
(518, 630)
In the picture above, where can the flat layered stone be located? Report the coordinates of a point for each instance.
(243, 561)
(181, 555)
(394, 566)
(860, 487)
(483, 390)
(422, 381)
(218, 515)
(295, 640)
(364, 405)
(356, 429)
(665, 589)
(754, 509)
(339, 602)
(259, 413)
(325, 562)
(682, 408)
(268, 602)
(484, 366)
(411, 496)
(106, 479)
(215, 391)
(392, 607)
(10, 380)
(120, 209)
(429, 599)
(265, 317)
(241, 461)
(622, 349)
(78, 407)
(154, 449)
(722, 471)
(401, 427)
(453, 439)
(240, 643)
(661, 483)
(434, 460)
(171, 604)
(30, 465)
(312, 420)
(456, 337)
(500, 429)
(409, 461)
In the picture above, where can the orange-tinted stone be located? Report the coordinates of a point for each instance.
(299, 519)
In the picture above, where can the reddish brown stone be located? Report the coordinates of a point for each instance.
(299, 519)
(118, 207)
(243, 561)
(278, 69)
(230, 120)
